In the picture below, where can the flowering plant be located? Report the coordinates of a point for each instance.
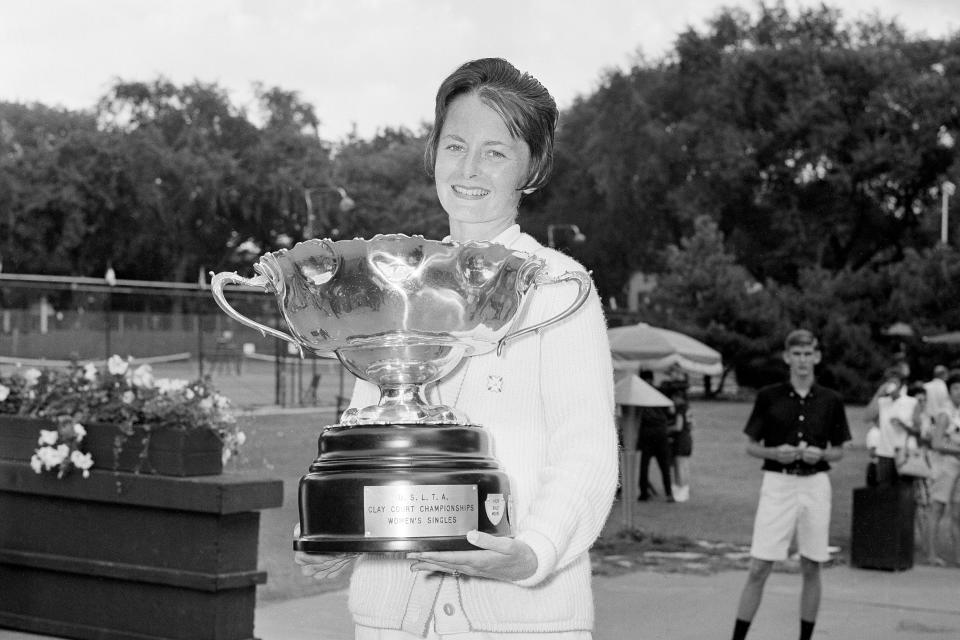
(121, 394)
(60, 449)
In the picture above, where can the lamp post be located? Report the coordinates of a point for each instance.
(576, 238)
(947, 189)
(346, 204)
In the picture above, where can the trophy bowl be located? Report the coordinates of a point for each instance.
(401, 312)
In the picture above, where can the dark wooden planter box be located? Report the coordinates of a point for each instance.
(131, 556)
(171, 452)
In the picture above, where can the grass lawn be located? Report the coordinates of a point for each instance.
(725, 485)
(726, 482)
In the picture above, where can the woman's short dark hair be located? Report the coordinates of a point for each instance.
(525, 105)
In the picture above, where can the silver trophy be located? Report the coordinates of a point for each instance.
(400, 312)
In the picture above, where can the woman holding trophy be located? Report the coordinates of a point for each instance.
(546, 399)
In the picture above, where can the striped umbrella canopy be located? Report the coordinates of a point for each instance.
(951, 337)
(642, 346)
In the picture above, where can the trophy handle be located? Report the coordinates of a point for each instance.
(583, 283)
(219, 280)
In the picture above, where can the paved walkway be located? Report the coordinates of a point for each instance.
(922, 603)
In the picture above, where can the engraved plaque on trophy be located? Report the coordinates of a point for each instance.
(401, 312)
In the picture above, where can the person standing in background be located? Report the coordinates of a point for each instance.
(653, 440)
(919, 437)
(892, 409)
(797, 428)
(938, 397)
(676, 386)
(945, 488)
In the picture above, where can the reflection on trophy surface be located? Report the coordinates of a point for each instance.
(400, 312)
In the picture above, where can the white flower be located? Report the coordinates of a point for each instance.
(945, 138)
(142, 377)
(48, 438)
(170, 385)
(4, 392)
(117, 366)
(36, 463)
(241, 438)
(81, 460)
(128, 396)
(31, 376)
(226, 454)
(52, 457)
(79, 431)
(89, 372)
(206, 404)
(188, 394)
(223, 402)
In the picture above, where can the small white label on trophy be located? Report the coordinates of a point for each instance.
(419, 510)
(495, 506)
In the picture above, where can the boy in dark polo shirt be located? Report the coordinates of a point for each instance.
(797, 428)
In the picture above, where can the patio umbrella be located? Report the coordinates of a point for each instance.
(899, 330)
(632, 390)
(952, 337)
(641, 346)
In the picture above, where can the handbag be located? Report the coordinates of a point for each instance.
(913, 461)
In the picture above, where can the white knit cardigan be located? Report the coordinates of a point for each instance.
(548, 404)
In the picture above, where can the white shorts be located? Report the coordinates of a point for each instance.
(792, 504)
(945, 474)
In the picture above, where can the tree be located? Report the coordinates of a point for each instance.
(813, 143)
(284, 177)
(207, 179)
(394, 193)
(60, 184)
(181, 145)
(707, 295)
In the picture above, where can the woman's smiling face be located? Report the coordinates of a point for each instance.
(479, 167)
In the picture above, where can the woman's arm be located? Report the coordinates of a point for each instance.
(576, 487)
(574, 490)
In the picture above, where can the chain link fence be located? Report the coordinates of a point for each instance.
(175, 327)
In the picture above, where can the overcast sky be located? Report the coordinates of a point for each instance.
(374, 63)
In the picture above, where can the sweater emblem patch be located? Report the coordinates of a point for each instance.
(495, 384)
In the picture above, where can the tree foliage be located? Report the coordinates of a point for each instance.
(706, 294)
(776, 169)
(812, 143)
(394, 192)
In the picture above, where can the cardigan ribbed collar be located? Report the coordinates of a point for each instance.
(507, 237)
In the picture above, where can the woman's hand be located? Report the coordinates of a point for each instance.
(321, 566)
(497, 558)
